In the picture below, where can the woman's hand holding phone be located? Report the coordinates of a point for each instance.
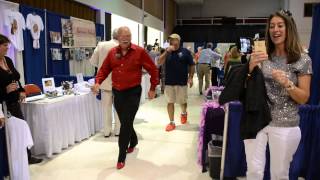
(258, 55)
(256, 58)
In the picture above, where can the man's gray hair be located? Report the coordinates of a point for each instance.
(115, 33)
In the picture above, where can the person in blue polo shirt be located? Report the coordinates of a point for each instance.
(179, 73)
(207, 57)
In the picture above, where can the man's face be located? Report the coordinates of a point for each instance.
(175, 43)
(124, 38)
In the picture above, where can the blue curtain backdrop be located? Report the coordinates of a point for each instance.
(314, 52)
(100, 31)
(34, 59)
(56, 67)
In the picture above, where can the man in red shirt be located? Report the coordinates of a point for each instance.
(126, 62)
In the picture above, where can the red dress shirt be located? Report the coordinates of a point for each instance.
(127, 69)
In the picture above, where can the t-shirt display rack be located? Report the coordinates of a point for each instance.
(37, 62)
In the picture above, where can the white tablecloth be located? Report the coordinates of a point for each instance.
(58, 123)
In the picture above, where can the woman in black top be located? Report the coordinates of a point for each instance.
(11, 90)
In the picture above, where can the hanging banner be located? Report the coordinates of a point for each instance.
(78, 33)
(84, 33)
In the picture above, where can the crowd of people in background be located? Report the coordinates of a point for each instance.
(211, 65)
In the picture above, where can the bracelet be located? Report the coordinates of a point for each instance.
(291, 86)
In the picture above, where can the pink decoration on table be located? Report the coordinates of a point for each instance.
(205, 106)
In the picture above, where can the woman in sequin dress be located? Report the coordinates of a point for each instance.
(287, 71)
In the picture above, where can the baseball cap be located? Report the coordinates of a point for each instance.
(174, 36)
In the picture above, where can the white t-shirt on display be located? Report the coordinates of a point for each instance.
(35, 25)
(15, 23)
(20, 139)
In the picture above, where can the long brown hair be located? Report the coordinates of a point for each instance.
(292, 42)
(234, 53)
(4, 39)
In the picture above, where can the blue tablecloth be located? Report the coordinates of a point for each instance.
(306, 161)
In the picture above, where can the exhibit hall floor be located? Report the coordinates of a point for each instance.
(159, 154)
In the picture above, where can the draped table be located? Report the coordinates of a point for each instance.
(59, 123)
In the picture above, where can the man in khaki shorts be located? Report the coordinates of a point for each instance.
(179, 73)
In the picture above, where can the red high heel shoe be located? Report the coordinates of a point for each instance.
(130, 150)
(120, 165)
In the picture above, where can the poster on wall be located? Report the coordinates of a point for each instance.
(78, 33)
(67, 33)
(89, 52)
(84, 33)
(67, 54)
(56, 54)
(71, 54)
(55, 37)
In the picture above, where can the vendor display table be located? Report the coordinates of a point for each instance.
(59, 123)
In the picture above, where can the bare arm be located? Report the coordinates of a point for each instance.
(301, 93)
(163, 56)
(191, 71)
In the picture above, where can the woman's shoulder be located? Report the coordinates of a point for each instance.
(304, 64)
(8, 60)
(305, 57)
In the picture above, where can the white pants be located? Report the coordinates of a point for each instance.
(107, 101)
(283, 143)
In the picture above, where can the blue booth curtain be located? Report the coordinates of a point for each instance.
(314, 52)
(34, 59)
(306, 162)
(100, 31)
(56, 67)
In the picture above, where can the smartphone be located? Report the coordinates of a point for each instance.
(260, 45)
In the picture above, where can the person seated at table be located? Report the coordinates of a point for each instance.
(11, 90)
(287, 71)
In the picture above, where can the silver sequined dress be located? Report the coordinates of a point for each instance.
(284, 111)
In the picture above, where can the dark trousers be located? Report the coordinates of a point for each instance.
(214, 76)
(14, 109)
(126, 103)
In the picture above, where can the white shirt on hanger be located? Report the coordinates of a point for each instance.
(35, 25)
(20, 139)
(15, 23)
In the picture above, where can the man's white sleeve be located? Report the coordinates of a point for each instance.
(94, 60)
